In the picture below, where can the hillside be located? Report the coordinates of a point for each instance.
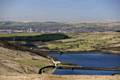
(103, 41)
(20, 62)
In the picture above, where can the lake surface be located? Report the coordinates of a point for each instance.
(88, 59)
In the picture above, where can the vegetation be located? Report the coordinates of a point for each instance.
(34, 37)
(19, 34)
(70, 41)
(86, 41)
(22, 59)
(15, 60)
(35, 63)
(58, 77)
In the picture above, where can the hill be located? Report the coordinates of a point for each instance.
(51, 27)
(14, 61)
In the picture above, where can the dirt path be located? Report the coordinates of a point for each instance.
(57, 77)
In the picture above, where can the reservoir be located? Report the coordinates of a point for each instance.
(87, 59)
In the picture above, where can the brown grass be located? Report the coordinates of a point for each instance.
(57, 77)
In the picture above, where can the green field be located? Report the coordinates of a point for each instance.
(28, 37)
(86, 41)
(19, 34)
(73, 41)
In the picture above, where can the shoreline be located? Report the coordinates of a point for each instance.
(82, 52)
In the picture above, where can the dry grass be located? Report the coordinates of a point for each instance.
(15, 61)
(57, 77)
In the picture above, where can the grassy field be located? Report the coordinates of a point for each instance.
(33, 37)
(57, 77)
(86, 41)
(19, 34)
(74, 41)
(16, 61)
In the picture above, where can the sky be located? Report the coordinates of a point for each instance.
(59, 10)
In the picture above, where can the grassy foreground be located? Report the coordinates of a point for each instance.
(56, 77)
(20, 62)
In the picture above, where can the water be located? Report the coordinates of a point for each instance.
(90, 59)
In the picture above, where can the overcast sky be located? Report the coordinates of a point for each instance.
(59, 10)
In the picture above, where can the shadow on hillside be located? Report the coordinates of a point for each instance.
(43, 37)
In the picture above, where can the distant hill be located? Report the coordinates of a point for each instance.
(61, 27)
